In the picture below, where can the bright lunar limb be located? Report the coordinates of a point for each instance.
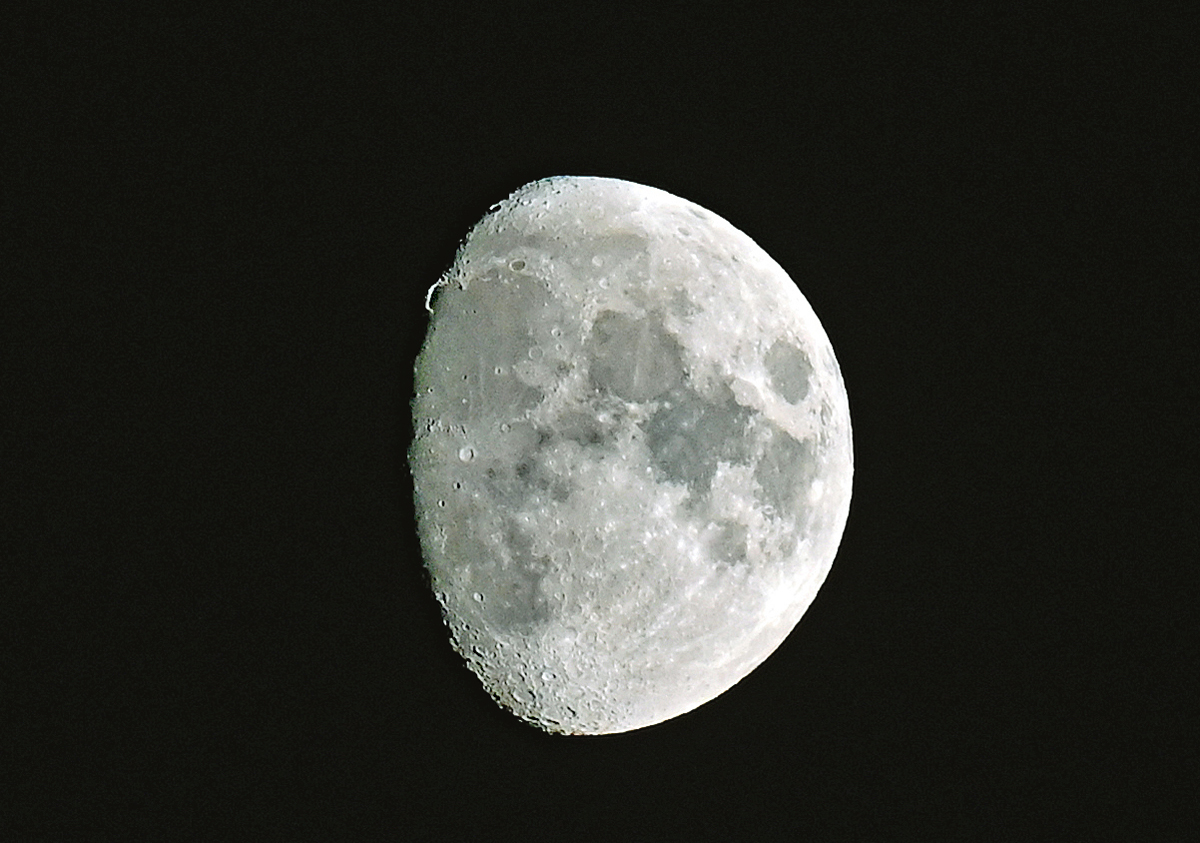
(632, 457)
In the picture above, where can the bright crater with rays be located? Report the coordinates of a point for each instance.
(632, 461)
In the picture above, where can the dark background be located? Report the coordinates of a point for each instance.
(217, 236)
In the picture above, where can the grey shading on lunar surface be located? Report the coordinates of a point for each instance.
(632, 457)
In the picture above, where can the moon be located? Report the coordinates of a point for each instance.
(632, 454)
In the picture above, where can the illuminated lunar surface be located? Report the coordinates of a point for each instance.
(632, 457)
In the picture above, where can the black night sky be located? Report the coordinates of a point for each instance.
(217, 233)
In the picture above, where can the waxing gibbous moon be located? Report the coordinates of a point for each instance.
(632, 456)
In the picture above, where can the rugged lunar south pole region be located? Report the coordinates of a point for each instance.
(632, 456)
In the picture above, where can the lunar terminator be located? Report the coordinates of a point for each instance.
(632, 461)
